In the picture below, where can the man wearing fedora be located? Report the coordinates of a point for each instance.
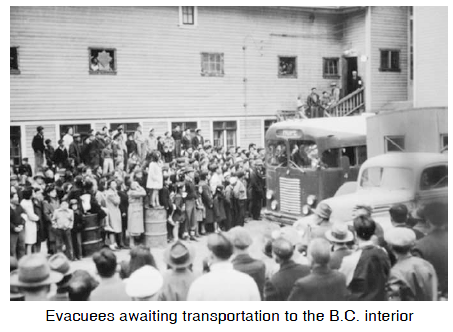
(223, 282)
(411, 278)
(179, 258)
(34, 277)
(320, 222)
(339, 236)
(322, 284)
(60, 263)
(279, 286)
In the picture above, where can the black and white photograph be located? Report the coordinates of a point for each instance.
(229, 153)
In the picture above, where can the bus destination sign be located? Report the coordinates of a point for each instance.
(289, 133)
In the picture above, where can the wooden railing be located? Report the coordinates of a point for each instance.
(348, 105)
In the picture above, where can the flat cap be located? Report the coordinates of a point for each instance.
(240, 237)
(400, 237)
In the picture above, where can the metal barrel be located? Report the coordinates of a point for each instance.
(91, 235)
(156, 228)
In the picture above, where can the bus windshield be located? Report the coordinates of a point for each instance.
(276, 154)
(305, 154)
(390, 178)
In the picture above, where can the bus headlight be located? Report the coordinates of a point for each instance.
(311, 200)
(306, 209)
(274, 205)
(269, 194)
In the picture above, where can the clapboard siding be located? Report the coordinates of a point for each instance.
(431, 56)
(250, 131)
(206, 130)
(30, 132)
(160, 127)
(158, 63)
(389, 30)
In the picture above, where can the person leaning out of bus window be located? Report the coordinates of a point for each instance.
(313, 154)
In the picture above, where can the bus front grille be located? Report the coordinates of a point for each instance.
(290, 195)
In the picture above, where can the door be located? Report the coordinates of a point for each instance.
(349, 65)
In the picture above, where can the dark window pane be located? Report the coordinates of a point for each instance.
(102, 60)
(395, 60)
(13, 62)
(384, 59)
(219, 125)
(287, 67)
(434, 177)
(394, 143)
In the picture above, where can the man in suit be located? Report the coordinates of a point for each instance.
(75, 150)
(323, 284)
(279, 286)
(434, 246)
(242, 260)
(38, 147)
(60, 156)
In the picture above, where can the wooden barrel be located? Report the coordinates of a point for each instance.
(156, 228)
(91, 235)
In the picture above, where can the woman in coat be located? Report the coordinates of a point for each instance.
(135, 220)
(114, 225)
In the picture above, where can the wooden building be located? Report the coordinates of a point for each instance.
(226, 70)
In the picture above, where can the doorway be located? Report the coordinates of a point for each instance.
(349, 65)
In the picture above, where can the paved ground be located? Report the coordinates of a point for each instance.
(257, 229)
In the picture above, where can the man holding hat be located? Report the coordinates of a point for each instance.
(339, 235)
(320, 220)
(179, 258)
(223, 282)
(38, 147)
(34, 277)
(242, 260)
(411, 278)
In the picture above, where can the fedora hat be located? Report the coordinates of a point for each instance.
(34, 271)
(179, 255)
(60, 263)
(339, 233)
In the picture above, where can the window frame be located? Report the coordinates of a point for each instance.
(15, 71)
(390, 139)
(443, 146)
(114, 125)
(390, 51)
(181, 24)
(324, 67)
(279, 57)
(221, 62)
(103, 72)
(226, 128)
(183, 126)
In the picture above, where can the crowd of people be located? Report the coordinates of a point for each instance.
(206, 191)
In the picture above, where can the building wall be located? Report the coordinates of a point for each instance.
(432, 122)
(389, 30)
(430, 56)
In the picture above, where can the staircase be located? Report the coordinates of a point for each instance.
(348, 105)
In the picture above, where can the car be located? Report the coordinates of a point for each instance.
(413, 179)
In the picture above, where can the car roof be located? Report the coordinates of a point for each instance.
(406, 159)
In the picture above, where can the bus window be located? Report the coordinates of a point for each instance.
(349, 152)
(330, 158)
(276, 153)
(299, 153)
(361, 154)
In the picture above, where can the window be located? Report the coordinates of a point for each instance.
(129, 128)
(355, 154)
(82, 129)
(390, 60)
(188, 15)
(444, 143)
(102, 60)
(225, 133)
(394, 143)
(14, 144)
(434, 177)
(276, 153)
(391, 178)
(287, 67)
(212, 64)
(184, 125)
(267, 124)
(13, 60)
(330, 67)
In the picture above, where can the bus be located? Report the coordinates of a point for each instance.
(308, 160)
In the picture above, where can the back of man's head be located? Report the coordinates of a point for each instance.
(283, 249)
(105, 261)
(436, 213)
(319, 251)
(364, 227)
(398, 213)
(220, 246)
(79, 290)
